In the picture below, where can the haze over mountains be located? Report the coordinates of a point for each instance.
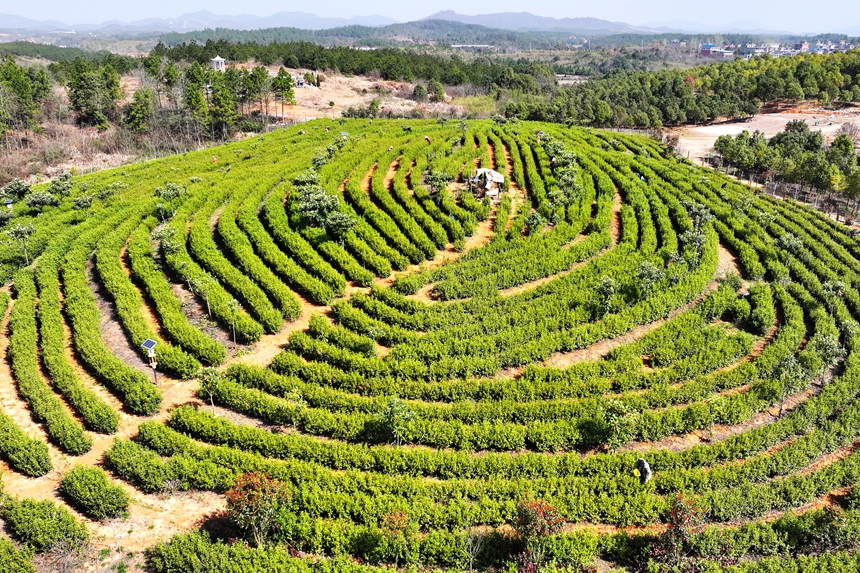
(527, 22)
(199, 21)
(516, 21)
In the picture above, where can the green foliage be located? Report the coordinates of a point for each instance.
(42, 524)
(483, 418)
(395, 417)
(38, 200)
(46, 408)
(16, 189)
(14, 560)
(90, 491)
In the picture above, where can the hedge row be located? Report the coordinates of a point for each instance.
(202, 246)
(89, 490)
(241, 252)
(310, 286)
(295, 245)
(133, 387)
(173, 319)
(62, 429)
(15, 560)
(41, 524)
(129, 303)
(213, 294)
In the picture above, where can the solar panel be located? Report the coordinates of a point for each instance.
(149, 344)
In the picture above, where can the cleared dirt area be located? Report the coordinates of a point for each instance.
(112, 333)
(698, 141)
(353, 91)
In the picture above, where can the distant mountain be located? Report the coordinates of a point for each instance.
(199, 21)
(12, 22)
(527, 22)
(739, 27)
(851, 31)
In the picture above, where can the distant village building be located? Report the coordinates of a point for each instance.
(219, 64)
(477, 47)
(568, 79)
(705, 49)
(713, 51)
(753, 50)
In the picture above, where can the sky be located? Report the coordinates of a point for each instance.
(781, 15)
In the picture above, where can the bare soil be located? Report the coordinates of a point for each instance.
(151, 517)
(197, 315)
(112, 333)
(366, 180)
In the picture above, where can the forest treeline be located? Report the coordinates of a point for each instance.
(184, 101)
(798, 155)
(705, 93)
(389, 63)
(621, 98)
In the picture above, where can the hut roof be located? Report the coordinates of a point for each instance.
(494, 176)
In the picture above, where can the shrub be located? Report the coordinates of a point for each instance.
(14, 560)
(42, 524)
(253, 503)
(90, 490)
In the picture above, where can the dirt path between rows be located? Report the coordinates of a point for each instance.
(519, 197)
(146, 308)
(531, 285)
(151, 517)
(368, 177)
(113, 335)
(727, 263)
(388, 181)
(264, 350)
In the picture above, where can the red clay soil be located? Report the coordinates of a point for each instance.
(492, 153)
(388, 182)
(365, 181)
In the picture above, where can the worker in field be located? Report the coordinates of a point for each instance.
(643, 471)
(427, 139)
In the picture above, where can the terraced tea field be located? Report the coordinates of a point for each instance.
(421, 366)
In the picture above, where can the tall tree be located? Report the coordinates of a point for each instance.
(140, 111)
(17, 104)
(222, 106)
(284, 88)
